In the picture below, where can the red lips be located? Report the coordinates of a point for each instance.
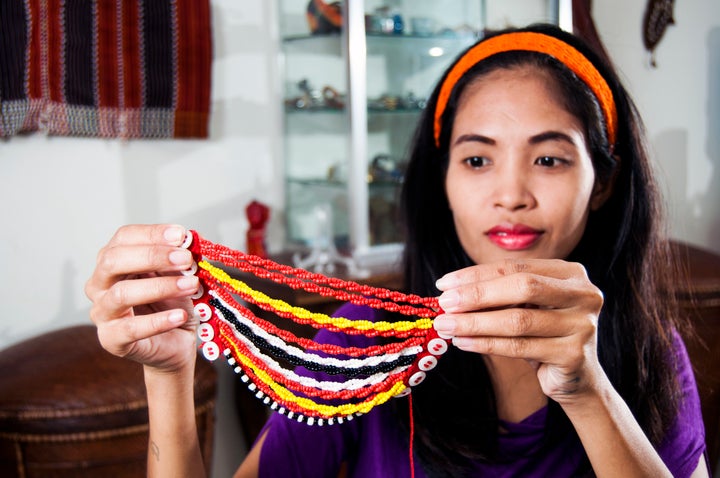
(513, 237)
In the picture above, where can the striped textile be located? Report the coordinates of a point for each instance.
(105, 68)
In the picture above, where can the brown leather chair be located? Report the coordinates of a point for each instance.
(70, 409)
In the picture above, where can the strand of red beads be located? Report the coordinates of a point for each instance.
(271, 385)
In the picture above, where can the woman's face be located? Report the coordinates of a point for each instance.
(520, 181)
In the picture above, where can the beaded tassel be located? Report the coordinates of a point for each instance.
(359, 378)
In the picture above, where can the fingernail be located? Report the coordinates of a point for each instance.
(176, 317)
(449, 299)
(181, 257)
(187, 283)
(174, 234)
(446, 282)
(444, 325)
(462, 342)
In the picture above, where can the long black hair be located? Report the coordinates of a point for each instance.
(622, 249)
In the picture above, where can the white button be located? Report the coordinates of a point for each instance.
(199, 293)
(416, 379)
(404, 393)
(188, 240)
(210, 350)
(203, 311)
(437, 346)
(428, 362)
(193, 269)
(205, 332)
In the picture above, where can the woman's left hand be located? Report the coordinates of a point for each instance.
(544, 311)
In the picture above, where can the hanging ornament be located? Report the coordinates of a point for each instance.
(658, 15)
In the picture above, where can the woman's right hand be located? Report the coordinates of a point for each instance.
(141, 301)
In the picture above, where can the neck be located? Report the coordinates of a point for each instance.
(517, 389)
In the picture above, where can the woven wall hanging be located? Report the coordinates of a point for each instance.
(105, 68)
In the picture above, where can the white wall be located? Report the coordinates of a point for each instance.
(62, 198)
(680, 103)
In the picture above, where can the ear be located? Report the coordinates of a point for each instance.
(603, 190)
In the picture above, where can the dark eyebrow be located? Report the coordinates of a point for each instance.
(551, 136)
(474, 137)
(537, 139)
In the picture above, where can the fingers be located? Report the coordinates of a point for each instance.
(514, 331)
(548, 284)
(138, 249)
(140, 301)
(170, 234)
(518, 347)
(549, 267)
(124, 295)
(563, 352)
(514, 322)
(534, 309)
(120, 261)
(521, 288)
(120, 336)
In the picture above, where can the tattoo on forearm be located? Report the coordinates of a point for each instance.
(155, 450)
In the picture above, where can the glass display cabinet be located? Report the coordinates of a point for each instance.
(355, 78)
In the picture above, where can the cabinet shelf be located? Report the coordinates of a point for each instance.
(338, 111)
(340, 185)
(374, 37)
(313, 110)
(350, 103)
(380, 44)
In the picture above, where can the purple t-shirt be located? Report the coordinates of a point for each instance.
(372, 445)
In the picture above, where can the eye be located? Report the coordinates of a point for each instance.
(476, 161)
(550, 161)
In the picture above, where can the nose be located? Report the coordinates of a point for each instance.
(511, 190)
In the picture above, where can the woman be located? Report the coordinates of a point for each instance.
(530, 205)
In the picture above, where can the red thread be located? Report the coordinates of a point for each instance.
(412, 436)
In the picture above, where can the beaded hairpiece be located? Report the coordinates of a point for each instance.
(364, 376)
(540, 43)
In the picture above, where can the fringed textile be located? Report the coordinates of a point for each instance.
(105, 68)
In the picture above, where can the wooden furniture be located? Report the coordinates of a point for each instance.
(69, 409)
(700, 298)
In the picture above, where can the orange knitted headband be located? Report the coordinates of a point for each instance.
(537, 42)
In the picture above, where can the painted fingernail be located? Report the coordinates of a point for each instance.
(176, 317)
(174, 234)
(181, 257)
(446, 282)
(187, 283)
(444, 325)
(449, 299)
